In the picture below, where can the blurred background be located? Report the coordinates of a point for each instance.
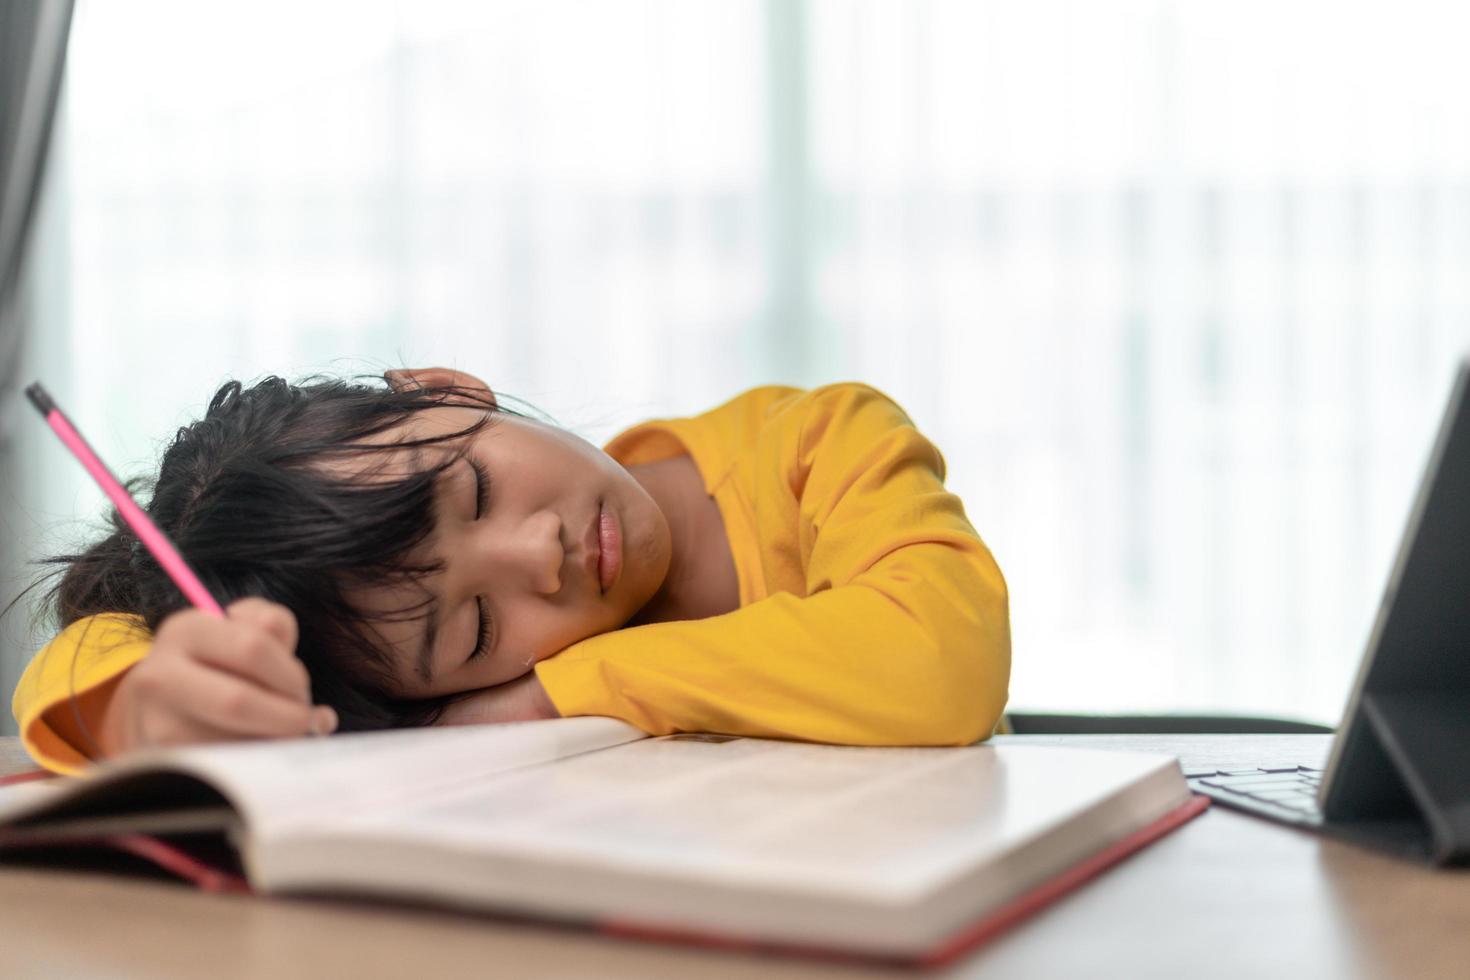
(1177, 288)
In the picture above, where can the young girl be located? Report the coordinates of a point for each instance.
(787, 564)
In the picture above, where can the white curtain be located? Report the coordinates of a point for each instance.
(1176, 287)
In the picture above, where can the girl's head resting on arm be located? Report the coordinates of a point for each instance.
(429, 540)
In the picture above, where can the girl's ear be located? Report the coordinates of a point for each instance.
(409, 378)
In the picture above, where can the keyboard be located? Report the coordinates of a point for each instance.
(1283, 792)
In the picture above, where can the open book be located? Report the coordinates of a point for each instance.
(902, 853)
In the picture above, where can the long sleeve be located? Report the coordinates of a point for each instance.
(873, 614)
(61, 697)
(902, 636)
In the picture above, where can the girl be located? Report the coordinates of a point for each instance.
(787, 564)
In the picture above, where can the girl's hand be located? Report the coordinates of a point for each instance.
(522, 699)
(209, 680)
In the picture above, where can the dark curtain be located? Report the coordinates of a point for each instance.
(32, 53)
(33, 37)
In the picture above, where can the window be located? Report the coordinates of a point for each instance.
(1177, 288)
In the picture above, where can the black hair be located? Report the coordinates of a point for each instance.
(245, 497)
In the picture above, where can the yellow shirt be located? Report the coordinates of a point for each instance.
(871, 613)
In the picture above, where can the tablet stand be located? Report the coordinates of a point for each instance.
(1405, 784)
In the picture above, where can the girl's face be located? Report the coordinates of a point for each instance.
(519, 549)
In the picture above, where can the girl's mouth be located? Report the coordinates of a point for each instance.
(610, 540)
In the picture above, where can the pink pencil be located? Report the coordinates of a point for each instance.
(153, 539)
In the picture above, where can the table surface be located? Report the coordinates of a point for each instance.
(1225, 895)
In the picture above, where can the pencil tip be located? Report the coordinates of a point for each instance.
(39, 398)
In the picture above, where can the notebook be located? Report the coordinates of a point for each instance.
(900, 854)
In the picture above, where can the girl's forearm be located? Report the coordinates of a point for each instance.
(523, 699)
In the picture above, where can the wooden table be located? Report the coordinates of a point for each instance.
(1227, 895)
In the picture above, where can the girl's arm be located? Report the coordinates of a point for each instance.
(522, 699)
(902, 637)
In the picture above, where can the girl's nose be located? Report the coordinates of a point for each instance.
(533, 553)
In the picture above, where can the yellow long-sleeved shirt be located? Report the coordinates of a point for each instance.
(871, 612)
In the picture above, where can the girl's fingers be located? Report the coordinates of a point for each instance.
(176, 730)
(324, 720)
(209, 679)
(222, 701)
(180, 729)
(257, 642)
(275, 619)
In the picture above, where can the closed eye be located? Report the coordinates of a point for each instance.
(482, 487)
(485, 640)
(484, 643)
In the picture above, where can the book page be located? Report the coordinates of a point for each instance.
(280, 782)
(745, 809)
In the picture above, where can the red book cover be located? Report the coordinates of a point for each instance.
(25, 777)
